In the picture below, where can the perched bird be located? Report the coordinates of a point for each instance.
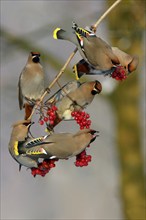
(19, 135)
(93, 49)
(76, 100)
(31, 83)
(61, 146)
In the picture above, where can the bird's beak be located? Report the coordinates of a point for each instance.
(98, 87)
(94, 134)
(29, 125)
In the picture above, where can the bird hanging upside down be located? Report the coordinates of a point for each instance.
(27, 151)
(99, 58)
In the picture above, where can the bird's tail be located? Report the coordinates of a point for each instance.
(28, 110)
(82, 68)
(59, 33)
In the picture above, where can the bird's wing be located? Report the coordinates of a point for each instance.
(82, 67)
(35, 142)
(70, 86)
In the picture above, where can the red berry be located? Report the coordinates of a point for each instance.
(77, 163)
(83, 113)
(51, 118)
(84, 123)
(46, 119)
(81, 164)
(52, 165)
(89, 122)
(80, 118)
(86, 164)
(83, 160)
(54, 108)
(51, 122)
(52, 113)
(83, 153)
(87, 116)
(73, 114)
(41, 122)
(89, 157)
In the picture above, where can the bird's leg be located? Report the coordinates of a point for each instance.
(93, 28)
(47, 90)
(76, 104)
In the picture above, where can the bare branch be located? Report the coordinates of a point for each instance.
(107, 12)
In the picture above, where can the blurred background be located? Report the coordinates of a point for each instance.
(112, 186)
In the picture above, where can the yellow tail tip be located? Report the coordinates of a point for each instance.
(55, 33)
(76, 72)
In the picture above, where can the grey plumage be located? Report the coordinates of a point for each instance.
(61, 146)
(78, 99)
(31, 81)
(66, 89)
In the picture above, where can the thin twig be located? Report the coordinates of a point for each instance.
(107, 12)
(71, 56)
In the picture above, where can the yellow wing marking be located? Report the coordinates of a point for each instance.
(76, 72)
(36, 152)
(16, 148)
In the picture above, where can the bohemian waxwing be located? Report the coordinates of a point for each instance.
(93, 49)
(75, 100)
(19, 135)
(78, 99)
(31, 83)
(61, 146)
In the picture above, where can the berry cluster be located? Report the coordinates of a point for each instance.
(82, 159)
(50, 116)
(82, 119)
(119, 73)
(43, 167)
